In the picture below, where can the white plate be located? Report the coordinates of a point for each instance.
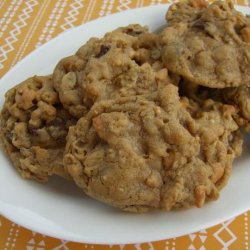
(59, 209)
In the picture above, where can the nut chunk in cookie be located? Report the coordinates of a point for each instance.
(122, 63)
(34, 127)
(157, 151)
(213, 49)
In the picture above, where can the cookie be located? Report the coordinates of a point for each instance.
(199, 93)
(185, 11)
(153, 151)
(34, 126)
(240, 98)
(213, 49)
(122, 63)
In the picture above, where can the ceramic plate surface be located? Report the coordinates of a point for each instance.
(61, 210)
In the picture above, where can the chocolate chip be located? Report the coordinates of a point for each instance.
(9, 136)
(32, 131)
(132, 32)
(34, 101)
(137, 61)
(57, 122)
(103, 50)
(237, 29)
(200, 24)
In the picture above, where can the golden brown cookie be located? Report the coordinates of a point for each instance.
(156, 151)
(212, 49)
(122, 63)
(185, 11)
(34, 126)
(240, 98)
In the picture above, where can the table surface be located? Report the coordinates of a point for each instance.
(27, 24)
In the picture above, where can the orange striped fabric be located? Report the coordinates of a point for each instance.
(27, 24)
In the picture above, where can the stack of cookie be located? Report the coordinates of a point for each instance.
(140, 120)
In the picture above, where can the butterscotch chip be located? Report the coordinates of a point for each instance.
(200, 195)
(151, 151)
(34, 127)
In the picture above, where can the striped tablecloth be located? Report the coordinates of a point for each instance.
(27, 24)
